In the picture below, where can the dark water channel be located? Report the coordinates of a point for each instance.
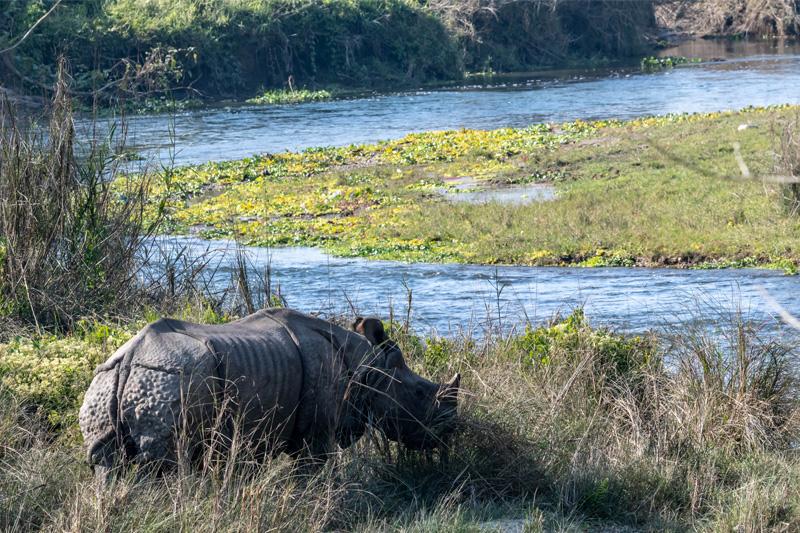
(452, 298)
(751, 74)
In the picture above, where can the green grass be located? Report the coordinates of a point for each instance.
(660, 191)
(563, 426)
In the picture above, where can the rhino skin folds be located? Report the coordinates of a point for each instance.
(282, 380)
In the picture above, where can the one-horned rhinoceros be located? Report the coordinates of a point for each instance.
(284, 380)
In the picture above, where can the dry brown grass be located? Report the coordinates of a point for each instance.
(754, 18)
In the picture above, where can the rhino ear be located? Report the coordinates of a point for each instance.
(448, 392)
(372, 329)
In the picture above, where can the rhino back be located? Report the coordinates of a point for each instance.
(167, 380)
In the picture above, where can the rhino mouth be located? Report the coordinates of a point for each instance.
(416, 436)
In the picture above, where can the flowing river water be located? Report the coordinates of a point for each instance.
(751, 74)
(450, 298)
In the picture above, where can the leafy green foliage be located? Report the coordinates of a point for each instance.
(52, 373)
(231, 47)
(572, 336)
(290, 97)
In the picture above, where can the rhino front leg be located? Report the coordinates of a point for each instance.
(313, 452)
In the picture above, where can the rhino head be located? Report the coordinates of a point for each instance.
(405, 406)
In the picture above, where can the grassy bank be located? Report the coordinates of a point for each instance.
(661, 191)
(563, 427)
(233, 48)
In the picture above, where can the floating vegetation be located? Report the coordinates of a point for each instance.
(287, 96)
(653, 64)
(622, 195)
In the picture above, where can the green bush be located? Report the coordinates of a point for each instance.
(51, 374)
(572, 336)
(232, 47)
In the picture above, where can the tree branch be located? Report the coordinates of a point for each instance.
(30, 30)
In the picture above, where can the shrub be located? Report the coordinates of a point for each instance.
(568, 337)
(51, 374)
(70, 241)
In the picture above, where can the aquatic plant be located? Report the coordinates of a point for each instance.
(652, 63)
(289, 96)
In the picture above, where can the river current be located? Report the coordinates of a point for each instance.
(452, 298)
(748, 74)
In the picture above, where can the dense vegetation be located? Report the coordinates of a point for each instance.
(563, 426)
(233, 47)
(627, 193)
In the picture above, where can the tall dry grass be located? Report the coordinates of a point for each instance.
(71, 233)
(788, 162)
(754, 18)
(78, 231)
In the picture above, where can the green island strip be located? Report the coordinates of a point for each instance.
(654, 64)
(655, 191)
(286, 96)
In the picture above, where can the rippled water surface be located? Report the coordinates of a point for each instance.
(447, 298)
(450, 298)
(752, 74)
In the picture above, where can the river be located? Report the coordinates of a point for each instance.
(760, 73)
(454, 299)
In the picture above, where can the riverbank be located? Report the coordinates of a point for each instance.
(729, 20)
(658, 191)
(563, 426)
(229, 49)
